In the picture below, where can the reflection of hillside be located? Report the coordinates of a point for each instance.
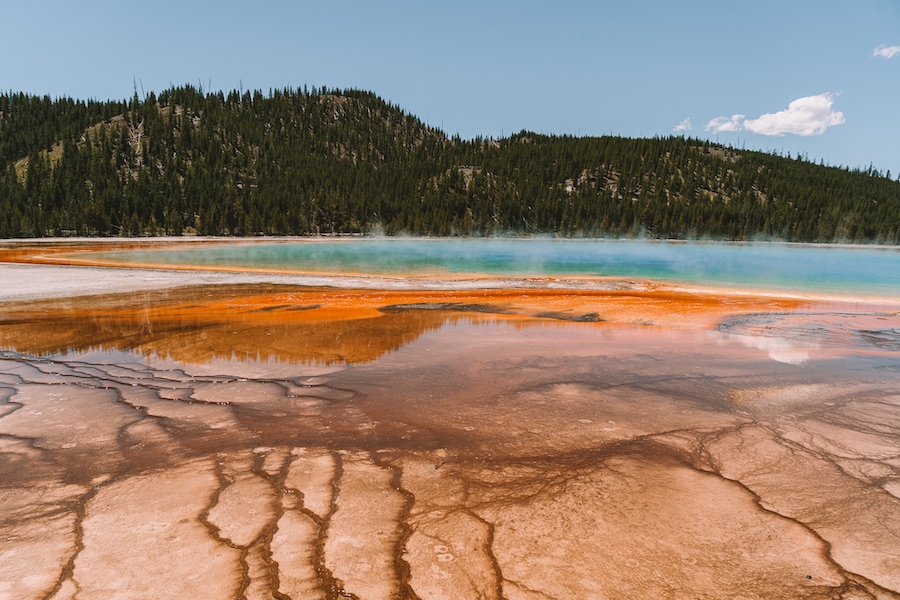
(326, 325)
(197, 325)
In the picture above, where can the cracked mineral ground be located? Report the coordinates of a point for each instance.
(285, 442)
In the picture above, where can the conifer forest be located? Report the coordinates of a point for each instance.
(340, 162)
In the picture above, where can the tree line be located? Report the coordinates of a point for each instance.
(325, 161)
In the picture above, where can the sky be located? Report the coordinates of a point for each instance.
(819, 78)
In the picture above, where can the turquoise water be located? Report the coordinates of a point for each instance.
(858, 270)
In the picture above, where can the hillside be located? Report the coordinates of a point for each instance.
(312, 162)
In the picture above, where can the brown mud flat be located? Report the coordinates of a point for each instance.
(283, 442)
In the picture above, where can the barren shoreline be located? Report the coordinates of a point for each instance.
(311, 436)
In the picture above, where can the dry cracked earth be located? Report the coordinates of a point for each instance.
(445, 451)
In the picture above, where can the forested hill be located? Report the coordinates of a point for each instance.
(301, 162)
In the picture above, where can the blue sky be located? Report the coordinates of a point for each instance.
(816, 77)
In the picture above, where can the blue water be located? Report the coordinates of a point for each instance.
(857, 270)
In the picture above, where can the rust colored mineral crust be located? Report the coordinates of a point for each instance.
(264, 439)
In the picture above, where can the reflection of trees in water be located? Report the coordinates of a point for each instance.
(197, 326)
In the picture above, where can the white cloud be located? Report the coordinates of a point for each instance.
(683, 126)
(778, 349)
(886, 51)
(811, 115)
(725, 124)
